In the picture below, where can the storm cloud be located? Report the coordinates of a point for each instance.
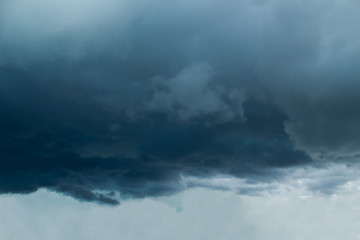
(105, 97)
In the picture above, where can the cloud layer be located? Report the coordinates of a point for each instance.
(103, 96)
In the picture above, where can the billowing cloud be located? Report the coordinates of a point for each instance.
(190, 94)
(102, 96)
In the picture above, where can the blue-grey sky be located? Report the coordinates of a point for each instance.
(117, 101)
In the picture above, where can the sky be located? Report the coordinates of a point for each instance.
(233, 119)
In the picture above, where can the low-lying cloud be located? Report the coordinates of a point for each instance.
(128, 97)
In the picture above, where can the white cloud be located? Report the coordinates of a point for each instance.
(308, 181)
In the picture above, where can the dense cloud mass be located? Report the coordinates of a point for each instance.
(106, 97)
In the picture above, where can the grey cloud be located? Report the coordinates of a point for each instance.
(128, 96)
(43, 31)
(86, 195)
(84, 147)
(190, 94)
(307, 63)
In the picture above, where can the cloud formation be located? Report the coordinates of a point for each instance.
(97, 96)
(190, 94)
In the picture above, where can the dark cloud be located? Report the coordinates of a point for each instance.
(101, 96)
(52, 139)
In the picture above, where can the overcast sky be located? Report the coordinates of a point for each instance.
(288, 211)
(248, 106)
